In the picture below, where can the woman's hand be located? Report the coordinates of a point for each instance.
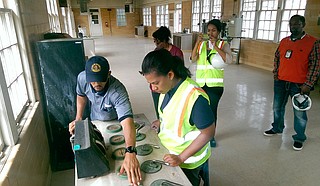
(156, 125)
(173, 160)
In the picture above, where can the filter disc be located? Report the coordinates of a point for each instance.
(150, 167)
(116, 140)
(144, 150)
(140, 136)
(114, 128)
(119, 153)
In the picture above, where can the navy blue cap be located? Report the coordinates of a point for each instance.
(97, 69)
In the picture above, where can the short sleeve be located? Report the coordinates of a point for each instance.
(201, 114)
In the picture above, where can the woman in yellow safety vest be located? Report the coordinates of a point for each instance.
(211, 54)
(186, 123)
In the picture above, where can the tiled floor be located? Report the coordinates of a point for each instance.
(243, 157)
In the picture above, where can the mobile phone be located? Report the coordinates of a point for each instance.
(205, 37)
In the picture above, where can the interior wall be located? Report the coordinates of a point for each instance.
(101, 3)
(110, 17)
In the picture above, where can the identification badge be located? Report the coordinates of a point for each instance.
(288, 54)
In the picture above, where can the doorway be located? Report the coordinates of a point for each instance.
(95, 22)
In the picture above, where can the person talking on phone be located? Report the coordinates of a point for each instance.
(211, 54)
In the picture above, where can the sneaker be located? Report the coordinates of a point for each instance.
(213, 143)
(297, 146)
(270, 133)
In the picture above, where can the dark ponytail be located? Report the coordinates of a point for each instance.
(161, 62)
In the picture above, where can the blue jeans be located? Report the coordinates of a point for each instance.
(282, 91)
(195, 175)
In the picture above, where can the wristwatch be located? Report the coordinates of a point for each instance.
(131, 149)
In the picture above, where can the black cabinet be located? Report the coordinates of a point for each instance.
(60, 61)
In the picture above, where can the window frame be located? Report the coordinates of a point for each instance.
(121, 17)
(162, 15)
(281, 29)
(53, 15)
(12, 124)
(146, 14)
(203, 9)
(177, 18)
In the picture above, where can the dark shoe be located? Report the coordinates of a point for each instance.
(270, 133)
(297, 146)
(213, 143)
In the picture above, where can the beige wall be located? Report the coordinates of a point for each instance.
(28, 163)
(133, 19)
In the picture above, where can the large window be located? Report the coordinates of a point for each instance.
(291, 7)
(204, 11)
(195, 16)
(249, 16)
(121, 17)
(147, 16)
(52, 9)
(15, 82)
(162, 15)
(269, 19)
(177, 18)
(216, 9)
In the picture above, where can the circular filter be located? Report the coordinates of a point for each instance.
(144, 150)
(114, 128)
(116, 140)
(163, 182)
(136, 125)
(123, 175)
(150, 167)
(119, 153)
(140, 136)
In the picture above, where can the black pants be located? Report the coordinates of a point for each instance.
(195, 175)
(214, 94)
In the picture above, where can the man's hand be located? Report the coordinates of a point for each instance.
(72, 126)
(305, 90)
(132, 168)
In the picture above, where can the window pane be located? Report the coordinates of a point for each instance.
(292, 7)
(12, 64)
(268, 15)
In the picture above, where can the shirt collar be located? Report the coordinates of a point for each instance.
(174, 89)
(295, 39)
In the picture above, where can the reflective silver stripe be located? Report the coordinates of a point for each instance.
(190, 136)
(194, 159)
(204, 67)
(210, 80)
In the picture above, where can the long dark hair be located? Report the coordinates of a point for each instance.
(161, 62)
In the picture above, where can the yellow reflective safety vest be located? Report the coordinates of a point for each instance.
(206, 74)
(176, 133)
